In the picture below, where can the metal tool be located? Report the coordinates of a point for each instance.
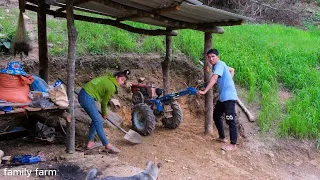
(132, 136)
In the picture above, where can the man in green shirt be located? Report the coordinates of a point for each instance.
(100, 89)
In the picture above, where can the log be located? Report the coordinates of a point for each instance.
(72, 43)
(166, 64)
(207, 76)
(42, 40)
(244, 108)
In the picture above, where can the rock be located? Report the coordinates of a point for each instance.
(313, 162)
(141, 79)
(115, 105)
(298, 163)
(25, 17)
(168, 160)
(115, 118)
(50, 45)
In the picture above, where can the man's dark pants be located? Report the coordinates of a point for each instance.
(228, 108)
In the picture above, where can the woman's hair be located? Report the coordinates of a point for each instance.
(124, 73)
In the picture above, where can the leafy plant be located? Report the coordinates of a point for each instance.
(5, 42)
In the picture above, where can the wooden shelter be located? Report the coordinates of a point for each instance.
(171, 15)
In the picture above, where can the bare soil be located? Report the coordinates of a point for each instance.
(185, 153)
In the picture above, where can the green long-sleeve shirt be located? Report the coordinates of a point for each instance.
(101, 89)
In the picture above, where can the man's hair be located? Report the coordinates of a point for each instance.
(213, 51)
(124, 73)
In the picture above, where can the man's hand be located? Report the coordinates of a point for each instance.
(200, 92)
(105, 116)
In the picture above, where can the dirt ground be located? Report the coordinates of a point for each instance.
(185, 153)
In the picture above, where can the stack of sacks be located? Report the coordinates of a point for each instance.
(14, 83)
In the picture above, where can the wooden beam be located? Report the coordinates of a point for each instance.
(141, 13)
(169, 9)
(110, 22)
(207, 68)
(166, 64)
(74, 4)
(42, 40)
(157, 11)
(72, 43)
(22, 4)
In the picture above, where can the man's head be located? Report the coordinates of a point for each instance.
(122, 76)
(213, 56)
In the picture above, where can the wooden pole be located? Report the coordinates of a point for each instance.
(207, 75)
(72, 42)
(165, 65)
(42, 40)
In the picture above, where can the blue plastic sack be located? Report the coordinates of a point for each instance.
(39, 84)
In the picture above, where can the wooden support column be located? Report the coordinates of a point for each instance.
(72, 42)
(207, 75)
(165, 65)
(42, 40)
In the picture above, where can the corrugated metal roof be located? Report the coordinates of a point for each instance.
(188, 11)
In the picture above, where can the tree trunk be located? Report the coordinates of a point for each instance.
(42, 40)
(207, 75)
(165, 64)
(72, 42)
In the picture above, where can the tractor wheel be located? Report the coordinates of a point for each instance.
(176, 119)
(137, 97)
(143, 119)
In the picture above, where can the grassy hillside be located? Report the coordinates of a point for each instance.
(266, 58)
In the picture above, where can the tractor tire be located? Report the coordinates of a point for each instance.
(173, 122)
(143, 119)
(137, 97)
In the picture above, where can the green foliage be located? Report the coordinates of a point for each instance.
(265, 57)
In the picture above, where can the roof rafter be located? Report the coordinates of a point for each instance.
(175, 24)
(110, 22)
(158, 11)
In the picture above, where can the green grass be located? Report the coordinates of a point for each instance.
(265, 57)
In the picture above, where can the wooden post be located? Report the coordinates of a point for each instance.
(207, 75)
(72, 42)
(165, 64)
(42, 40)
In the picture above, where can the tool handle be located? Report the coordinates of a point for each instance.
(124, 131)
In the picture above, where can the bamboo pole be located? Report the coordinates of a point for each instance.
(72, 42)
(207, 75)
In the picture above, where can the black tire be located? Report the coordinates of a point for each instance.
(173, 122)
(137, 97)
(143, 119)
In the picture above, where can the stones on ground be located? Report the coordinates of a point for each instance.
(141, 79)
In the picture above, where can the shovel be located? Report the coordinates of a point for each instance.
(132, 136)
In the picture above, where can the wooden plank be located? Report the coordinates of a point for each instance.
(16, 110)
(12, 135)
(2, 112)
(32, 109)
(51, 107)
